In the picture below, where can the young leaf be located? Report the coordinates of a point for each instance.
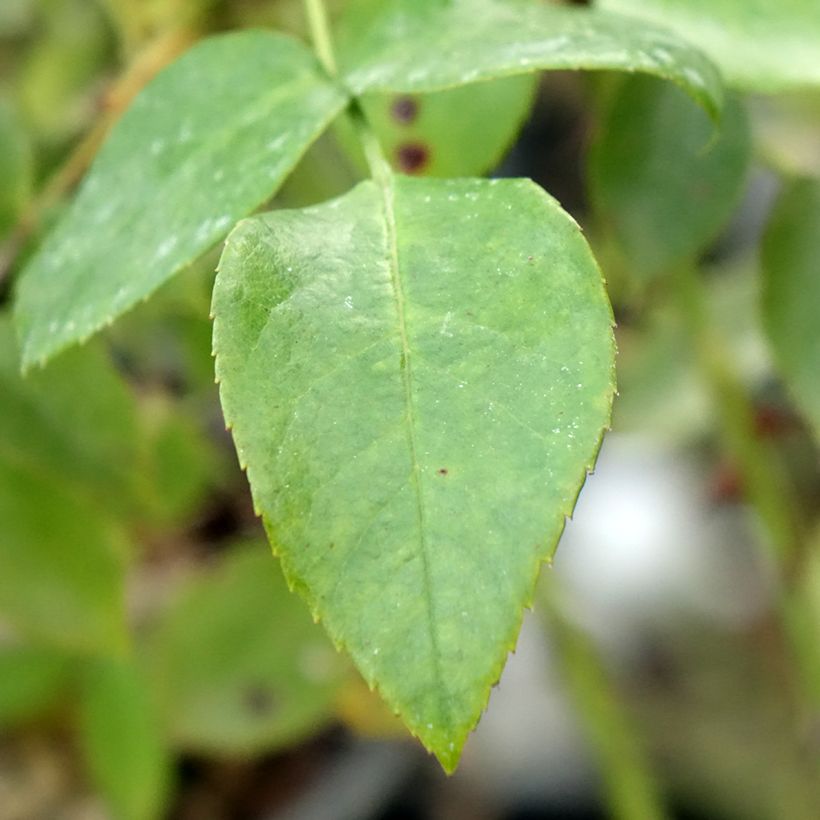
(417, 377)
(121, 736)
(663, 183)
(791, 293)
(427, 45)
(759, 45)
(237, 668)
(209, 140)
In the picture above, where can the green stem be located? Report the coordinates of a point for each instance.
(323, 43)
(764, 477)
(320, 34)
(631, 790)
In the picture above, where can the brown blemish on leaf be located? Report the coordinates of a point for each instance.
(404, 110)
(443, 471)
(412, 157)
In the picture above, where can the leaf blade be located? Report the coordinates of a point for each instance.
(206, 142)
(758, 45)
(426, 45)
(363, 470)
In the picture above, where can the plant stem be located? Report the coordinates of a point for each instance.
(320, 34)
(323, 43)
(630, 788)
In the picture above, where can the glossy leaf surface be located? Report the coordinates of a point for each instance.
(791, 293)
(664, 183)
(427, 45)
(759, 45)
(237, 664)
(206, 142)
(417, 377)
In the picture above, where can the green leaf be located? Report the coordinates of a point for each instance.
(759, 45)
(459, 132)
(662, 181)
(237, 664)
(74, 422)
(62, 563)
(417, 378)
(209, 140)
(121, 736)
(31, 681)
(791, 293)
(427, 45)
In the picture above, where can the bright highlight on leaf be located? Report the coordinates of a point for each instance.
(759, 45)
(209, 140)
(429, 45)
(417, 378)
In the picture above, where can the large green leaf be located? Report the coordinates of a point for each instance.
(122, 740)
(791, 293)
(661, 184)
(237, 665)
(210, 139)
(759, 45)
(427, 45)
(417, 377)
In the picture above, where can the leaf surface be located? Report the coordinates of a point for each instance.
(236, 666)
(759, 45)
(663, 182)
(205, 143)
(417, 377)
(791, 293)
(427, 45)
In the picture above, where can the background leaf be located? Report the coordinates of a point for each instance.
(459, 132)
(121, 737)
(426, 45)
(236, 662)
(31, 681)
(417, 381)
(663, 182)
(791, 293)
(207, 141)
(759, 45)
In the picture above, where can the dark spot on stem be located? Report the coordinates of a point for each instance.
(443, 471)
(412, 157)
(404, 109)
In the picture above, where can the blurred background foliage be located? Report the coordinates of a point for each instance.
(153, 663)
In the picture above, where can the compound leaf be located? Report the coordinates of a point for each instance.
(417, 375)
(428, 45)
(791, 293)
(759, 45)
(206, 142)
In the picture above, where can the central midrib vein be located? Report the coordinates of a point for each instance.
(385, 184)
